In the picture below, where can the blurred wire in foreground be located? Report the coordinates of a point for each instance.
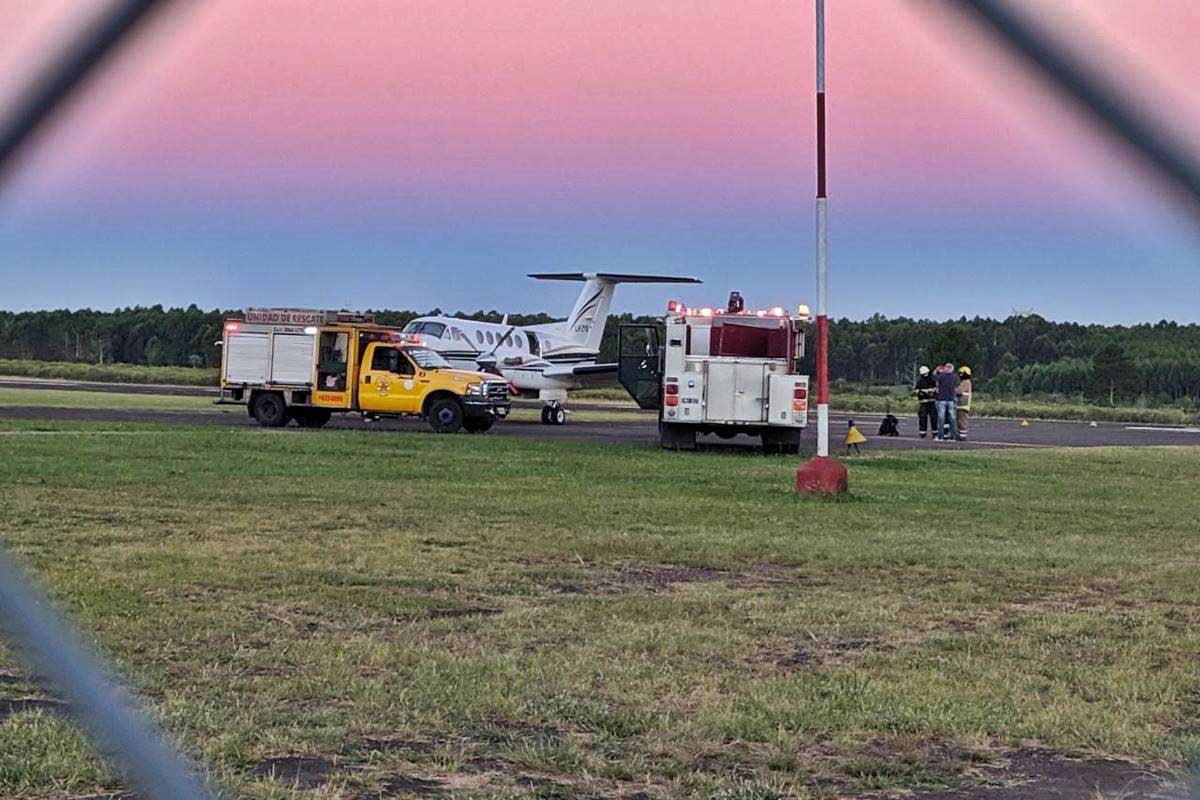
(45, 94)
(106, 713)
(1100, 100)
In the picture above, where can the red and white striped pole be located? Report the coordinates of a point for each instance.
(822, 475)
(822, 250)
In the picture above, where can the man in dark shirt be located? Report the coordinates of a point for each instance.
(947, 385)
(926, 391)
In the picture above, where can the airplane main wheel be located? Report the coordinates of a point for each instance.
(554, 415)
(546, 415)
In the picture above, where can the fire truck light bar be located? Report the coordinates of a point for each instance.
(676, 307)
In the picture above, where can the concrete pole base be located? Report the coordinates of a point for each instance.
(822, 476)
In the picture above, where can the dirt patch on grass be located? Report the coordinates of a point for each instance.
(405, 785)
(1035, 774)
(8, 707)
(8, 677)
(306, 772)
(813, 653)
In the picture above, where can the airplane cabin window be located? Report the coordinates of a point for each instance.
(491, 337)
(517, 341)
(479, 336)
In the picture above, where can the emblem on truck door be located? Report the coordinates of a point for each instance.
(382, 386)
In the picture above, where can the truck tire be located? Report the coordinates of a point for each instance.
(311, 417)
(269, 410)
(445, 415)
(676, 437)
(478, 424)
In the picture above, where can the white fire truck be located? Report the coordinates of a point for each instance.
(723, 371)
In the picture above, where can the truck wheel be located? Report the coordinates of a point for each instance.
(269, 410)
(311, 417)
(676, 437)
(478, 424)
(445, 416)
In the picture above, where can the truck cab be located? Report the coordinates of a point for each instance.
(287, 371)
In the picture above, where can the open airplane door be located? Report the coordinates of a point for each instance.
(639, 367)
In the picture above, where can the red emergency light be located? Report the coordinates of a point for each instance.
(676, 307)
(233, 326)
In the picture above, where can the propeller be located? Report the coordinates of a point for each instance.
(487, 361)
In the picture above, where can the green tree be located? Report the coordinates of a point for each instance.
(1112, 372)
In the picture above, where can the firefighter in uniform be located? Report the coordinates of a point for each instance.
(926, 391)
(964, 400)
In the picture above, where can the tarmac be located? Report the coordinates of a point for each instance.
(641, 427)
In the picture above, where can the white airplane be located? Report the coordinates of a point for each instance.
(549, 359)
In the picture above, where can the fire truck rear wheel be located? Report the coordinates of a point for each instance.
(478, 424)
(269, 410)
(445, 415)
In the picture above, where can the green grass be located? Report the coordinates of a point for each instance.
(65, 398)
(1018, 409)
(108, 373)
(487, 613)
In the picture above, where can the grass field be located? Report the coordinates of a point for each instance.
(369, 615)
(108, 373)
(65, 398)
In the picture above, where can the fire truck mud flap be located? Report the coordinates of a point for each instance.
(676, 437)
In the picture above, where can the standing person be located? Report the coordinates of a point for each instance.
(947, 385)
(964, 400)
(926, 391)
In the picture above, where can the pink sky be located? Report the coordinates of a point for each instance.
(648, 105)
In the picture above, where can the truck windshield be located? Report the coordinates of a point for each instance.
(426, 358)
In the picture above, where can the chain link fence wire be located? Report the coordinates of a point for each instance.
(1099, 100)
(108, 714)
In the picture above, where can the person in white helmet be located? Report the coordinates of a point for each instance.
(926, 392)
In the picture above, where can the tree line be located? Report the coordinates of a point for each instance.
(1018, 356)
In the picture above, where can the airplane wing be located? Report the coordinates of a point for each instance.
(585, 375)
(580, 370)
(615, 277)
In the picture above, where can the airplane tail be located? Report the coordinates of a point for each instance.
(585, 325)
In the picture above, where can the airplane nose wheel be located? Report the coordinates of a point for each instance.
(554, 415)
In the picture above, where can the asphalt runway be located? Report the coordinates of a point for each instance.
(640, 427)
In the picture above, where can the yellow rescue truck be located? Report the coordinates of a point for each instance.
(305, 365)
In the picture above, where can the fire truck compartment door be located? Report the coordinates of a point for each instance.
(292, 361)
(736, 392)
(246, 357)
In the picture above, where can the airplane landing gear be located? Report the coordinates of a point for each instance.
(554, 414)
